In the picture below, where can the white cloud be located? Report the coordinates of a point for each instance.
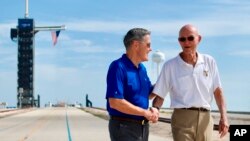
(233, 2)
(241, 53)
(52, 72)
(208, 25)
(5, 32)
(5, 28)
(96, 49)
(8, 57)
(213, 24)
(71, 43)
(46, 36)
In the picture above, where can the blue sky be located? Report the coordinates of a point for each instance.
(95, 28)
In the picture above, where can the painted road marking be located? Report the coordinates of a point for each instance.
(68, 129)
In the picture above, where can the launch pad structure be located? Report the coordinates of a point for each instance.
(24, 35)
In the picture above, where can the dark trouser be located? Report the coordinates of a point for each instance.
(128, 131)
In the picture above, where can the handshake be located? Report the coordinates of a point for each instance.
(152, 114)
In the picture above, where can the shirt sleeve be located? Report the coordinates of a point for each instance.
(162, 86)
(216, 77)
(115, 81)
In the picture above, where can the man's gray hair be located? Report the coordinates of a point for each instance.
(134, 34)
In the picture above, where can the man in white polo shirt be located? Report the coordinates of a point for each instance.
(192, 79)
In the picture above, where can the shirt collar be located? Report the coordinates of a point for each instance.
(129, 62)
(199, 61)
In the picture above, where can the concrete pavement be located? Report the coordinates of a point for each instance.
(62, 124)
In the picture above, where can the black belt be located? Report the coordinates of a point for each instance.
(197, 109)
(141, 122)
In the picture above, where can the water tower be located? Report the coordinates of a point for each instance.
(158, 57)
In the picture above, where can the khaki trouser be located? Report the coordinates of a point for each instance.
(191, 125)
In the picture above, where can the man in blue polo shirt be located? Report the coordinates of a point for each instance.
(128, 90)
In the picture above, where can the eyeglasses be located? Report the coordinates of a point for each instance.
(183, 39)
(147, 44)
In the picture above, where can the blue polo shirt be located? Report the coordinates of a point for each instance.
(126, 81)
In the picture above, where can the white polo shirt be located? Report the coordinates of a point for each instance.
(188, 86)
